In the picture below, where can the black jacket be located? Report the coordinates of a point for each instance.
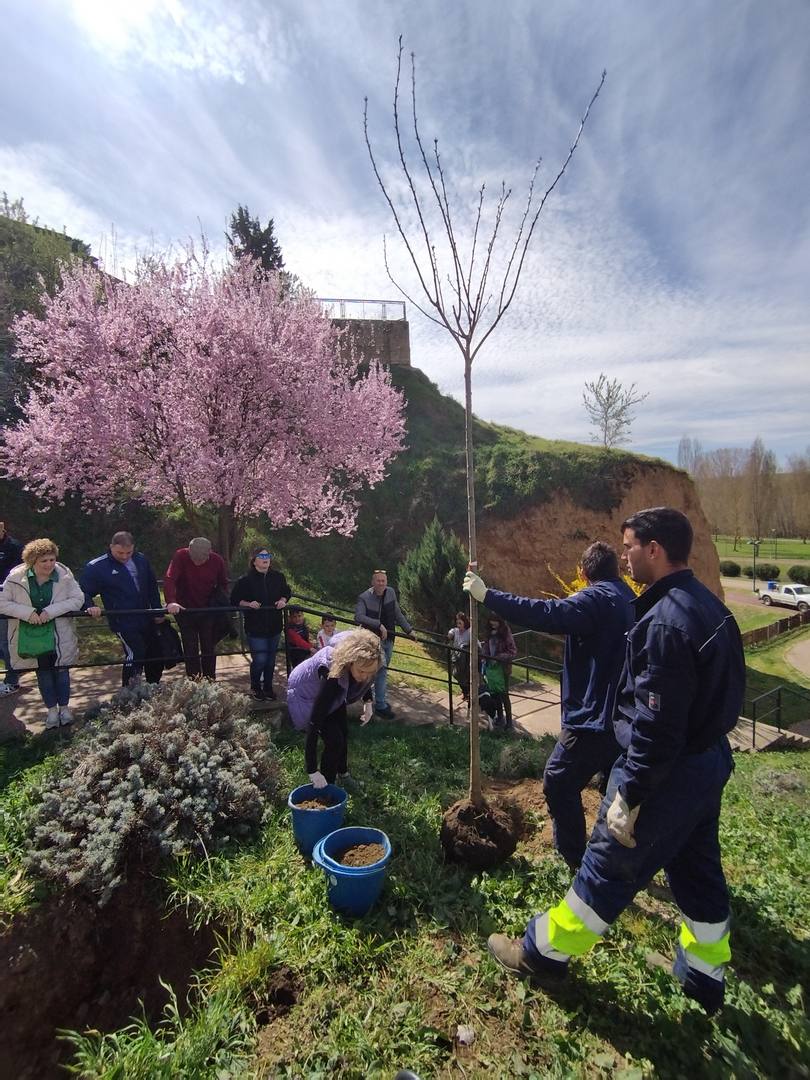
(10, 555)
(267, 589)
(683, 683)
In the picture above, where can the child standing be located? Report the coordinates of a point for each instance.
(299, 647)
(320, 689)
(327, 630)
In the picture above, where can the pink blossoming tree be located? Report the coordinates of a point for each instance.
(200, 388)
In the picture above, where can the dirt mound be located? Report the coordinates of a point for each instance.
(536, 836)
(480, 837)
(69, 964)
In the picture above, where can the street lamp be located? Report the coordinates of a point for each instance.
(755, 545)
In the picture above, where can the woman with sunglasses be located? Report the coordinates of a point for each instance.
(261, 594)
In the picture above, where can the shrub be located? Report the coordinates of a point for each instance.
(524, 757)
(729, 568)
(765, 571)
(179, 772)
(800, 574)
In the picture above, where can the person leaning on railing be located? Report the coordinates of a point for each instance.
(194, 576)
(36, 596)
(262, 593)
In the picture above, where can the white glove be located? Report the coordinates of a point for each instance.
(620, 821)
(318, 780)
(368, 712)
(474, 586)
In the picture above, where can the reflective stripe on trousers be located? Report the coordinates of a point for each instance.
(704, 948)
(569, 929)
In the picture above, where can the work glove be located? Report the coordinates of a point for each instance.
(368, 712)
(318, 780)
(474, 586)
(621, 820)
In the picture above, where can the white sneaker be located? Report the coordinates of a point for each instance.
(52, 719)
(65, 715)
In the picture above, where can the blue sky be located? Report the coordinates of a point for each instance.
(675, 253)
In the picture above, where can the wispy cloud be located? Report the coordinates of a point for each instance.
(675, 254)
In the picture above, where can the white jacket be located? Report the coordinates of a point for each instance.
(15, 603)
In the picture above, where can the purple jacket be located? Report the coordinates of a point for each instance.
(305, 684)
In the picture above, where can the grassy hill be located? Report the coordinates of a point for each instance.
(513, 470)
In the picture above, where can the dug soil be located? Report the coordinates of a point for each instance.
(536, 835)
(324, 803)
(361, 855)
(70, 964)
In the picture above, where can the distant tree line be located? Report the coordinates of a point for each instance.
(745, 495)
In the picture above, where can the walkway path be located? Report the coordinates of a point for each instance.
(798, 655)
(535, 706)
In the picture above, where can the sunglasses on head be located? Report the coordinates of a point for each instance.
(263, 555)
(380, 572)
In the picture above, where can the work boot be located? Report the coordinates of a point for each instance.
(511, 955)
(65, 715)
(52, 719)
(348, 783)
(707, 992)
(385, 711)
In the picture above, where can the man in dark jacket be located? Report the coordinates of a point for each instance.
(681, 693)
(595, 621)
(124, 580)
(10, 556)
(378, 609)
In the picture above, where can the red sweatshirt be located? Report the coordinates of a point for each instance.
(190, 585)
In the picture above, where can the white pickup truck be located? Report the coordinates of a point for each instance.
(797, 596)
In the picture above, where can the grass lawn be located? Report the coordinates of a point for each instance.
(390, 990)
(767, 668)
(778, 551)
(751, 618)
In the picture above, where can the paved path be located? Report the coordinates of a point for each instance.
(798, 655)
(535, 706)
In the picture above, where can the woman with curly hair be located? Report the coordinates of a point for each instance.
(36, 596)
(318, 692)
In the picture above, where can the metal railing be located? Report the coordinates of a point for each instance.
(342, 614)
(380, 310)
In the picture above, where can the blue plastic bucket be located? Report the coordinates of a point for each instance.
(354, 890)
(310, 826)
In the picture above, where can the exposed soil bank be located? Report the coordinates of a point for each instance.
(69, 964)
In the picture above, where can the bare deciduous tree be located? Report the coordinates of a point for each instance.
(609, 405)
(460, 284)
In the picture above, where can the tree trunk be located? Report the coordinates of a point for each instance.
(476, 793)
(229, 533)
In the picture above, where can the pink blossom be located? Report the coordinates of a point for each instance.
(200, 387)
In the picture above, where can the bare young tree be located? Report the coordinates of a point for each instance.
(462, 285)
(760, 482)
(609, 405)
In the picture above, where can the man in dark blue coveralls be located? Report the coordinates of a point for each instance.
(681, 693)
(595, 621)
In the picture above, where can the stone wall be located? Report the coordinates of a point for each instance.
(387, 340)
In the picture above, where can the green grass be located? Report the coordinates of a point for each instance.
(389, 990)
(781, 550)
(767, 669)
(751, 618)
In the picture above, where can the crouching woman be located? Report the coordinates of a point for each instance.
(318, 692)
(36, 596)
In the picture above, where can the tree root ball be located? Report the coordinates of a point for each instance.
(480, 837)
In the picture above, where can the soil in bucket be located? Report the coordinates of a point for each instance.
(321, 802)
(361, 855)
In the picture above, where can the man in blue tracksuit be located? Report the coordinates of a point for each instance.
(681, 693)
(595, 621)
(124, 580)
